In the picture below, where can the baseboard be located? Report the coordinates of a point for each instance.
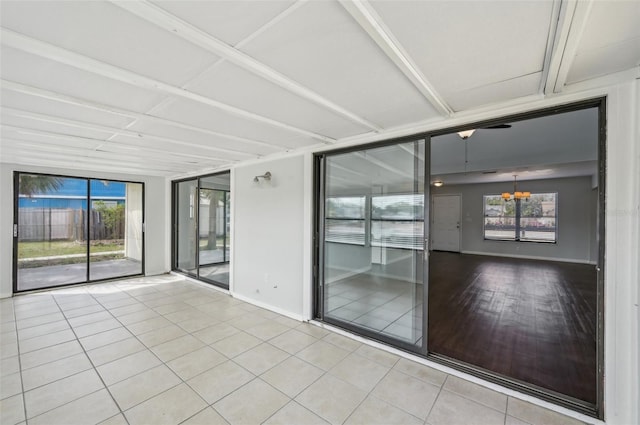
(297, 317)
(530, 257)
(6, 295)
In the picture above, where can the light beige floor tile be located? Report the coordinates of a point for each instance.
(342, 341)
(48, 340)
(196, 324)
(294, 413)
(9, 326)
(177, 347)
(115, 420)
(331, 398)
(374, 411)
(90, 318)
(477, 393)
(407, 393)
(10, 337)
(267, 330)
(170, 308)
(186, 315)
(21, 314)
(377, 355)
(148, 325)
(514, 421)
(292, 376)
(359, 371)
(420, 371)
(9, 349)
(207, 416)
(58, 369)
(227, 313)
(55, 394)
(117, 350)
(9, 365)
(452, 408)
(265, 401)
(41, 330)
(247, 320)
(196, 362)
(130, 306)
(133, 391)
(170, 407)
(288, 322)
(138, 316)
(97, 327)
(261, 358)
(218, 382)
(236, 344)
(47, 355)
(293, 341)
(128, 366)
(537, 415)
(12, 410)
(90, 409)
(10, 385)
(215, 333)
(104, 338)
(323, 355)
(80, 309)
(159, 336)
(313, 330)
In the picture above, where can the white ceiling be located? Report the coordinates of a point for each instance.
(172, 87)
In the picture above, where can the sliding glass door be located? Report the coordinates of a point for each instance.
(202, 224)
(373, 237)
(75, 230)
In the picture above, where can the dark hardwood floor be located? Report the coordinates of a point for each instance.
(526, 319)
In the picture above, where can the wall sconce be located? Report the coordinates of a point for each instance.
(438, 183)
(265, 176)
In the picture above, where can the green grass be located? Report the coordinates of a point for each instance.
(53, 248)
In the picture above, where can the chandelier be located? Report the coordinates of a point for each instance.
(516, 194)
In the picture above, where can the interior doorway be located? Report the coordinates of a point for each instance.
(446, 220)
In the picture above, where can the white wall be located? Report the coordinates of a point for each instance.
(268, 227)
(576, 219)
(155, 212)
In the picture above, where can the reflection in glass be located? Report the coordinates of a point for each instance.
(373, 240)
(213, 229)
(186, 216)
(52, 231)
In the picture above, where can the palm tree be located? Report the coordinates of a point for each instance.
(31, 184)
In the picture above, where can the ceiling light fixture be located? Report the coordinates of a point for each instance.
(438, 183)
(515, 195)
(466, 133)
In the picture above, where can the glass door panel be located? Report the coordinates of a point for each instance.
(186, 210)
(115, 227)
(213, 229)
(52, 231)
(373, 225)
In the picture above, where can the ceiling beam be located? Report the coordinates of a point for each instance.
(163, 19)
(60, 136)
(67, 158)
(384, 165)
(141, 158)
(118, 132)
(573, 18)
(49, 51)
(366, 16)
(75, 101)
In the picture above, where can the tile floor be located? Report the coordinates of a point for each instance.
(163, 350)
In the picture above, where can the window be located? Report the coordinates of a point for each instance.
(345, 220)
(397, 221)
(530, 220)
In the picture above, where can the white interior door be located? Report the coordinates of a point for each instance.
(445, 219)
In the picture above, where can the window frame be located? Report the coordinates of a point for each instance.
(518, 220)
